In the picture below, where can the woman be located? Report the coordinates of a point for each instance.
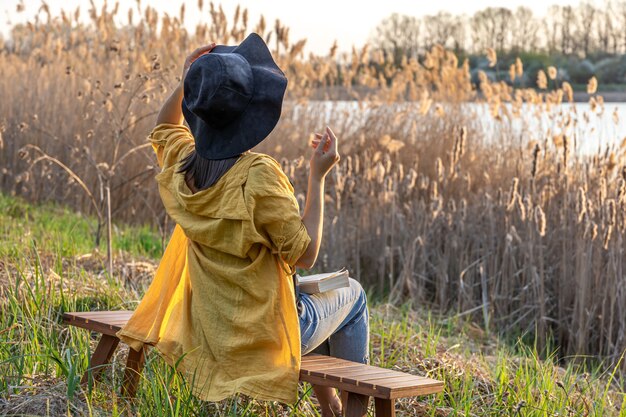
(222, 307)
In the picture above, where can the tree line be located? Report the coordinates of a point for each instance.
(581, 30)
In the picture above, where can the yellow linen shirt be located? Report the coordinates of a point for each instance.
(221, 307)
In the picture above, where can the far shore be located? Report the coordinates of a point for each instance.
(608, 96)
(340, 94)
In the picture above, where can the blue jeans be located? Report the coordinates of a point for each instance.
(335, 323)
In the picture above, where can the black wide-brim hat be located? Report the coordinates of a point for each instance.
(233, 98)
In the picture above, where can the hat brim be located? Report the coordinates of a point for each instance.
(261, 115)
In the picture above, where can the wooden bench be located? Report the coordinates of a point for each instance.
(356, 381)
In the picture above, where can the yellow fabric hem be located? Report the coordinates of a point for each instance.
(250, 389)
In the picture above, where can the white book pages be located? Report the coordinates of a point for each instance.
(322, 277)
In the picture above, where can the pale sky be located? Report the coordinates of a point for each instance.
(350, 22)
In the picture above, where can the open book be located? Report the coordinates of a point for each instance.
(312, 284)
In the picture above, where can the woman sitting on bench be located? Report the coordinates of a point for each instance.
(222, 307)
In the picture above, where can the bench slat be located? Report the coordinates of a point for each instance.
(328, 362)
(330, 373)
(347, 386)
(105, 322)
(312, 358)
(394, 380)
(333, 365)
(363, 374)
(433, 388)
(106, 315)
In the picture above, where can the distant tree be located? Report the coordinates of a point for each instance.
(616, 30)
(620, 11)
(491, 27)
(525, 30)
(568, 23)
(398, 36)
(460, 35)
(552, 25)
(442, 29)
(586, 16)
(605, 29)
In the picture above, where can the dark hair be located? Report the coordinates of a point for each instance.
(203, 172)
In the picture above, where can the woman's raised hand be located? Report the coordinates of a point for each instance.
(325, 154)
(195, 55)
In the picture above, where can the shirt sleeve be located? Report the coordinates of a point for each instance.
(168, 140)
(275, 210)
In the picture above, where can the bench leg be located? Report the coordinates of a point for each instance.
(385, 408)
(344, 398)
(134, 366)
(355, 405)
(101, 356)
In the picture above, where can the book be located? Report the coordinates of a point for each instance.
(316, 283)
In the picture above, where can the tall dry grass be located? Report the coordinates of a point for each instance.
(487, 210)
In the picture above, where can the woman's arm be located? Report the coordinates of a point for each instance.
(313, 219)
(171, 112)
(325, 156)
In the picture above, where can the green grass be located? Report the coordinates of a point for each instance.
(65, 232)
(47, 267)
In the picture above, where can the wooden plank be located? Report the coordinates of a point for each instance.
(101, 356)
(342, 385)
(317, 358)
(334, 368)
(319, 362)
(357, 380)
(98, 327)
(368, 371)
(345, 374)
(320, 365)
(434, 388)
(92, 314)
(385, 407)
(100, 312)
(364, 370)
(363, 373)
(99, 315)
(115, 321)
(333, 373)
(397, 381)
(108, 322)
(104, 322)
(342, 369)
(313, 356)
(84, 323)
(311, 361)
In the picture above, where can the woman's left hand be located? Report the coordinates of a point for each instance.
(171, 111)
(195, 55)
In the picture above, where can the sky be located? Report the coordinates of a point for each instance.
(321, 22)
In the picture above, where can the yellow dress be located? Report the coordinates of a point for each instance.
(221, 307)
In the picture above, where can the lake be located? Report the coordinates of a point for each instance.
(591, 131)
